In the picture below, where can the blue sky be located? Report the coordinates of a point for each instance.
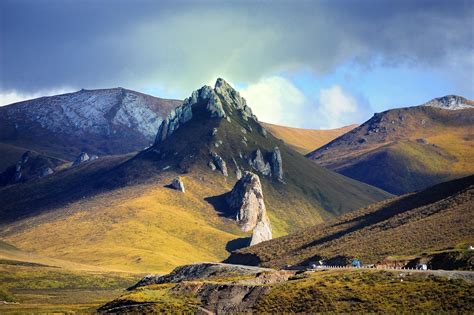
(312, 64)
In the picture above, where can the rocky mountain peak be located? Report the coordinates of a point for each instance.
(214, 100)
(450, 102)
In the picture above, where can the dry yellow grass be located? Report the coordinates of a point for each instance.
(306, 140)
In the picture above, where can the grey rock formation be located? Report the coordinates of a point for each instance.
(231, 96)
(246, 200)
(262, 232)
(83, 157)
(451, 102)
(212, 98)
(220, 163)
(277, 164)
(47, 171)
(212, 166)
(238, 171)
(93, 157)
(178, 184)
(178, 116)
(263, 131)
(258, 163)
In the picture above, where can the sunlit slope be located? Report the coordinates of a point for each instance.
(404, 150)
(142, 228)
(306, 140)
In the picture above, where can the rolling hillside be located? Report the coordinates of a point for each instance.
(407, 149)
(438, 218)
(119, 212)
(306, 140)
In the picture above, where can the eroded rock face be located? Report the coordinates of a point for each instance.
(246, 199)
(258, 163)
(83, 157)
(450, 102)
(277, 164)
(262, 232)
(213, 100)
(178, 116)
(220, 163)
(178, 184)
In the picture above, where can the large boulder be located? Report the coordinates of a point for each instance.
(246, 201)
(178, 184)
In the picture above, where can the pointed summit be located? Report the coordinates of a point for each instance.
(213, 100)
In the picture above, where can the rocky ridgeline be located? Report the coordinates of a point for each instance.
(212, 98)
(451, 102)
(246, 201)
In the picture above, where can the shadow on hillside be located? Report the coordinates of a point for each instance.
(238, 243)
(220, 205)
(401, 205)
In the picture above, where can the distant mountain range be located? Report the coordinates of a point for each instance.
(407, 149)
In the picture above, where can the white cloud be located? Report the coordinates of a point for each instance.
(337, 107)
(276, 100)
(10, 97)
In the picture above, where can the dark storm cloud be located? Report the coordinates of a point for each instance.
(181, 45)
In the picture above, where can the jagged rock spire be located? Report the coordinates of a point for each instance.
(213, 98)
(246, 200)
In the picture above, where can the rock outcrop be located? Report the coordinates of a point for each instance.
(274, 167)
(277, 164)
(212, 98)
(219, 163)
(178, 116)
(258, 163)
(262, 232)
(246, 201)
(451, 102)
(83, 157)
(178, 184)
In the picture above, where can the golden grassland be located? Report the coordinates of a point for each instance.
(306, 140)
(148, 228)
(30, 288)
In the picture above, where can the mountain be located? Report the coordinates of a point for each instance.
(121, 212)
(436, 219)
(101, 122)
(306, 140)
(407, 149)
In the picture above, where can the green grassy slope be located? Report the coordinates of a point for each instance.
(437, 218)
